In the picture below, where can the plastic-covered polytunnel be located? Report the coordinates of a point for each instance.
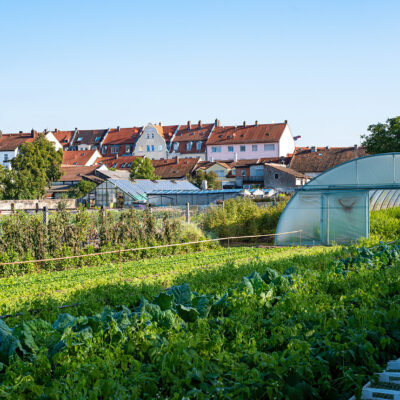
(334, 206)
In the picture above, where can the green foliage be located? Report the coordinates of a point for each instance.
(385, 224)
(81, 189)
(200, 176)
(142, 168)
(383, 138)
(35, 167)
(319, 329)
(242, 216)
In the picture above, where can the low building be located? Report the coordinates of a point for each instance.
(312, 161)
(124, 193)
(282, 178)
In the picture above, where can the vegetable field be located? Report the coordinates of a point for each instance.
(254, 323)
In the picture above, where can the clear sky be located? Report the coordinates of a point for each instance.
(329, 67)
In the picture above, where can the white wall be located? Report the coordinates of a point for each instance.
(286, 144)
(51, 138)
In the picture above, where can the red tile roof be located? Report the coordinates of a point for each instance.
(74, 173)
(118, 163)
(11, 141)
(289, 171)
(64, 137)
(175, 167)
(124, 136)
(195, 134)
(261, 133)
(77, 157)
(89, 136)
(305, 160)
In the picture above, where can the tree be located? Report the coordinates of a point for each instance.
(384, 138)
(211, 178)
(142, 168)
(81, 189)
(36, 166)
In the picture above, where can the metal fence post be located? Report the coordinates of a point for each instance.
(45, 215)
(187, 212)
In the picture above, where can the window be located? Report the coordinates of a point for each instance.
(269, 147)
(152, 135)
(5, 157)
(254, 147)
(242, 148)
(148, 147)
(140, 148)
(216, 149)
(220, 174)
(198, 145)
(103, 149)
(230, 148)
(79, 139)
(148, 136)
(160, 147)
(176, 146)
(276, 176)
(114, 165)
(233, 171)
(115, 149)
(127, 148)
(129, 165)
(189, 146)
(98, 139)
(152, 147)
(243, 172)
(123, 165)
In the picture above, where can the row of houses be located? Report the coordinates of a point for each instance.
(209, 142)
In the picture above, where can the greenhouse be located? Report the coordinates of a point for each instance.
(334, 207)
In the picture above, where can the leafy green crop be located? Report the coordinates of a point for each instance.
(299, 331)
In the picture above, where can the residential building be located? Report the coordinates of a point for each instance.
(246, 142)
(120, 142)
(81, 157)
(151, 143)
(278, 176)
(88, 139)
(312, 161)
(223, 171)
(175, 168)
(190, 140)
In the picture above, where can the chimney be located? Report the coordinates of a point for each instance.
(118, 129)
(285, 121)
(33, 133)
(160, 123)
(56, 130)
(313, 149)
(200, 124)
(327, 147)
(235, 157)
(20, 131)
(244, 124)
(256, 123)
(45, 131)
(217, 122)
(355, 147)
(204, 185)
(1, 134)
(116, 156)
(282, 160)
(189, 125)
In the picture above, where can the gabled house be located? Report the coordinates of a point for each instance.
(246, 142)
(81, 157)
(89, 139)
(151, 143)
(312, 161)
(190, 140)
(278, 176)
(120, 142)
(223, 171)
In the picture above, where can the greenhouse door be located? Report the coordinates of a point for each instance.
(344, 216)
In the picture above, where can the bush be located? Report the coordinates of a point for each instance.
(242, 216)
(385, 224)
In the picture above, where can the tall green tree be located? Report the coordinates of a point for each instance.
(200, 175)
(81, 189)
(36, 166)
(383, 138)
(142, 168)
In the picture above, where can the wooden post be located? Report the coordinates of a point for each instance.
(45, 215)
(187, 212)
(13, 208)
(37, 207)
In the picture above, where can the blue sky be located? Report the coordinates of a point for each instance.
(330, 68)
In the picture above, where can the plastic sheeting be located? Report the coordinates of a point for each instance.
(334, 207)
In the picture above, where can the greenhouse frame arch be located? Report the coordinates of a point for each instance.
(334, 207)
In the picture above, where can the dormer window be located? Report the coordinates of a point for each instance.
(79, 139)
(114, 165)
(176, 146)
(98, 139)
(103, 149)
(189, 146)
(123, 165)
(129, 165)
(198, 145)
